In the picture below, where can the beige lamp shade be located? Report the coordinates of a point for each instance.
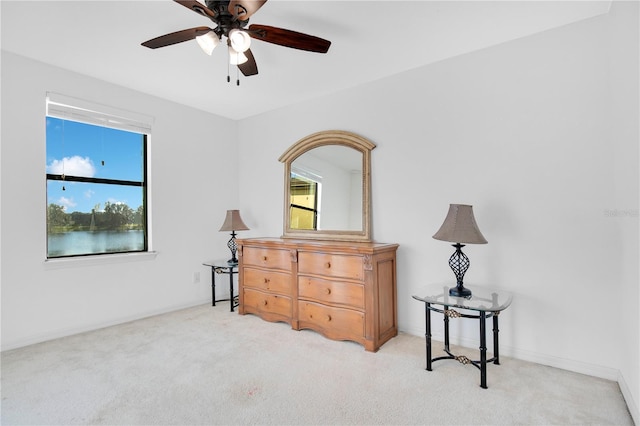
(233, 222)
(460, 226)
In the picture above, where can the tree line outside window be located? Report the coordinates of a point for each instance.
(114, 217)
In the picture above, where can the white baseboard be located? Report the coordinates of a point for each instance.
(56, 334)
(536, 357)
(562, 363)
(628, 397)
(553, 361)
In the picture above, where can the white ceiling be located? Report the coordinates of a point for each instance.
(370, 40)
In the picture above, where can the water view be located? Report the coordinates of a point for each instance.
(94, 242)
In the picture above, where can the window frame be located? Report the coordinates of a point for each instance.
(72, 109)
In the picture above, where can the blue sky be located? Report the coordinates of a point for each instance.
(78, 149)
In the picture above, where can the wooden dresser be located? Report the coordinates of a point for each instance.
(343, 290)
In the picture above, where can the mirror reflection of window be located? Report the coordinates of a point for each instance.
(339, 198)
(304, 203)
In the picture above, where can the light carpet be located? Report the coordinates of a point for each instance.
(205, 365)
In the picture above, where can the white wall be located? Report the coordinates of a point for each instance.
(538, 137)
(626, 135)
(193, 165)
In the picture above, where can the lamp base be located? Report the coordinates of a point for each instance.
(233, 247)
(459, 263)
(459, 291)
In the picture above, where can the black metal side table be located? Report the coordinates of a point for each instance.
(222, 267)
(487, 303)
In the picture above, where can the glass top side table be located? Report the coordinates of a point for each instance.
(486, 302)
(222, 267)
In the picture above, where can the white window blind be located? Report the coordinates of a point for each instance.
(69, 108)
(306, 173)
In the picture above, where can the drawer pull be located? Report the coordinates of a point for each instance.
(267, 280)
(328, 291)
(328, 265)
(264, 302)
(328, 318)
(264, 258)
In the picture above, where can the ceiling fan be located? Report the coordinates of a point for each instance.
(231, 18)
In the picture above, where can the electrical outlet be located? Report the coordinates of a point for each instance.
(196, 277)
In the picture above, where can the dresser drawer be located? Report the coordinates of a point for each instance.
(331, 292)
(336, 323)
(331, 265)
(259, 302)
(277, 282)
(266, 258)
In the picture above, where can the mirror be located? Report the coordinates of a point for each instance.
(327, 187)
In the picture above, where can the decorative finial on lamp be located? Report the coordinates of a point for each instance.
(460, 227)
(233, 222)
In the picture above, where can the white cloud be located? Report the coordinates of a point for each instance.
(66, 202)
(88, 194)
(114, 201)
(72, 166)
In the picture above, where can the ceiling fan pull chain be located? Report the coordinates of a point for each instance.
(237, 76)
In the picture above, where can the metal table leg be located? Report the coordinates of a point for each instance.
(213, 286)
(483, 350)
(427, 335)
(496, 352)
(231, 289)
(446, 328)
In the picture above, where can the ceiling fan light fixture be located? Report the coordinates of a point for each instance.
(236, 58)
(240, 40)
(208, 42)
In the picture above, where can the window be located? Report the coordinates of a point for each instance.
(96, 173)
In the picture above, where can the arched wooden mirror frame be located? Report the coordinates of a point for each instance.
(315, 140)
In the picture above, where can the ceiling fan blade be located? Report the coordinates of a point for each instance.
(289, 38)
(243, 9)
(197, 7)
(177, 37)
(250, 67)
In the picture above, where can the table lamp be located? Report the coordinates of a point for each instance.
(460, 227)
(233, 222)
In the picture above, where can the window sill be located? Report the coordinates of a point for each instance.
(103, 259)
